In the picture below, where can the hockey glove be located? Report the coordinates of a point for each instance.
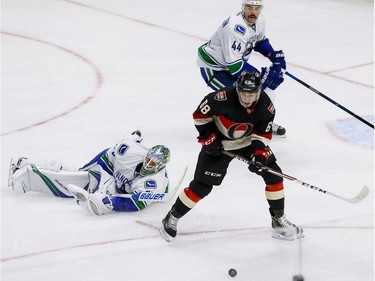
(278, 60)
(259, 158)
(211, 145)
(271, 78)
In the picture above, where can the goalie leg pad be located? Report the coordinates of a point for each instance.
(34, 178)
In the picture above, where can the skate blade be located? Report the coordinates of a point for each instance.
(278, 136)
(10, 173)
(280, 236)
(165, 235)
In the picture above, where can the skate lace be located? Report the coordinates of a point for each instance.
(18, 164)
(284, 222)
(172, 222)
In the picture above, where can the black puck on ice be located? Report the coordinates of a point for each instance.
(232, 272)
(298, 278)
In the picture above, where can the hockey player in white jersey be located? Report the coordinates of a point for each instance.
(226, 55)
(112, 181)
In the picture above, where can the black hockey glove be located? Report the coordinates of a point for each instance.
(278, 60)
(211, 145)
(271, 78)
(259, 158)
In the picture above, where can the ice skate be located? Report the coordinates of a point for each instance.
(278, 130)
(168, 230)
(13, 167)
(283, 229)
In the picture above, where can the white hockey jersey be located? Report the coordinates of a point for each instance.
(231, 45)
(112, 172)
(126, 158)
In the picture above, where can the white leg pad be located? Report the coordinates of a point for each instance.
(34, 178)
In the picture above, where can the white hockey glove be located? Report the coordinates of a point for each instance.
(137, 136)
(95, 204)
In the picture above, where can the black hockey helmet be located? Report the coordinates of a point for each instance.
(249, 81)
(248, 86)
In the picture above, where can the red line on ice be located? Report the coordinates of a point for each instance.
(205, 40)
(99, 81)
(94, 244)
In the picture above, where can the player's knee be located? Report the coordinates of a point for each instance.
(200, 189)
(271, 179)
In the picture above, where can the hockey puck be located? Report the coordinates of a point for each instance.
(232, 272)
(298, 278)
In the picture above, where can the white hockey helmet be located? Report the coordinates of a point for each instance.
(252, 2)
(156, 159)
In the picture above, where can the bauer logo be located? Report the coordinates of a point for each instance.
(151, 196)
(240, 29)
(150, 184)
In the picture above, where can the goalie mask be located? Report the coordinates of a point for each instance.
(156, 159)
(248, 86)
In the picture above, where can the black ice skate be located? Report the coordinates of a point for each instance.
(168, 230)
(278, 130)
(283, 229)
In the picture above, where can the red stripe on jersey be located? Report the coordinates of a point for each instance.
(266, 136)
(200, 116)
(191, 195)
(275, 187)
(234, 130)
(226, 122)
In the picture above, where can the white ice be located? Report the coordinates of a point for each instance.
(78, 74)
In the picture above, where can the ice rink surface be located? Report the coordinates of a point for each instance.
(77, 75)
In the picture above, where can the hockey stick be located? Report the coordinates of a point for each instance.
(149, 196)
(358, 198)
(329, 99)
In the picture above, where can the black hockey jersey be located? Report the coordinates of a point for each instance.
(236, 126)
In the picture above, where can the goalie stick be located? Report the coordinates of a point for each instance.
(356, 199)
(149, 196)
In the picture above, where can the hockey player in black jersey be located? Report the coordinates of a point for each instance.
(237, 119)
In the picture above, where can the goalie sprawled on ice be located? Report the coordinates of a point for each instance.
(114, 180)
